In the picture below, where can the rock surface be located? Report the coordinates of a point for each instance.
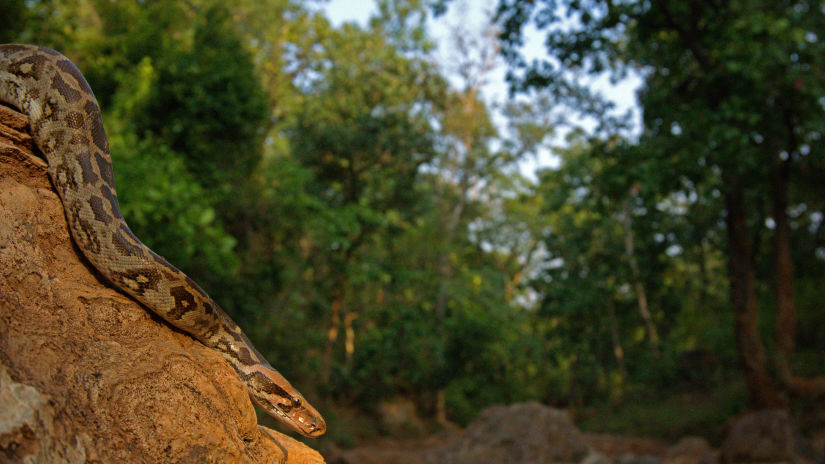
(86, 373)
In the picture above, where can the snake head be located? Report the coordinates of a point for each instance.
(303, 418)
(275, 395)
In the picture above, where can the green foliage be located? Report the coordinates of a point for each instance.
(403, 23)
(671, 417)
(167, 208)
(367, 117)
(208, 104)
(11, 19)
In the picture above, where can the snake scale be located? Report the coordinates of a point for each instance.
(66, 125)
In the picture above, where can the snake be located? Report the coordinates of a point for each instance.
(66, 126)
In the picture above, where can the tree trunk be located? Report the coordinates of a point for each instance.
(763, 393)
(785, 325)
(618, 351)
(638, 285)
(332, 335)
(349, 331)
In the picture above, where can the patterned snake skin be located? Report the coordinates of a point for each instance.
(66, 125)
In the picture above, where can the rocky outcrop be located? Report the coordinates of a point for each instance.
(86, 373)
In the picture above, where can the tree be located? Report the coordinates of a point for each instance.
(212, 103)
(730, 92)
(364, 130)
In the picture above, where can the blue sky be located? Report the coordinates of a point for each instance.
(340, 11)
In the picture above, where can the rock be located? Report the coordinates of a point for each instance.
(691, 450)
(614, 446)
(520, 433)
(595, 458)
(767, 437)
(630, 458)
(90, 375)
(27, 426)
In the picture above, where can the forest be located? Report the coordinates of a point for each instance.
(361, 209)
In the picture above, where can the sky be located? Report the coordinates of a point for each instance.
(471, 15)
(339, 11)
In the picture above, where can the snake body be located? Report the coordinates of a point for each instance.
(66, 125)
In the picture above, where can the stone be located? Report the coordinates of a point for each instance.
(526, 433)
(767, 437)
(691, 450)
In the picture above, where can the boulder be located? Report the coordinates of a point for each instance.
(630, 458)
(691, 450)
(526, 433)
(767, 437)
(86, 373)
